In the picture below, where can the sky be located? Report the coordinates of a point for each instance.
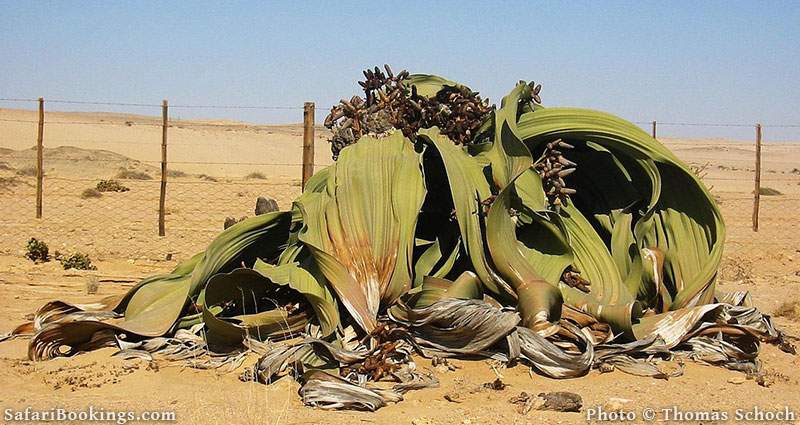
(678, 61)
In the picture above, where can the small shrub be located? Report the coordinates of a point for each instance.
(796, 171)
(110, 186)
(91, 193)
(5, 167)
(768, 191)
(76, 260)
(207, 178)
(255, 175)
(133, 175)
(27, 171)
(37, 251)
(175, 173)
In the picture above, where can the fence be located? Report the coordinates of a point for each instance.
(756, 183)
(181, 178)
(184, 177)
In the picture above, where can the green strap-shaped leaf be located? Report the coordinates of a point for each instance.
(468, 188)
(361, 229)
(153, 307)
(539, 301)
(263, 235)
(428, 85)
(244, 303)
(682, 220)
(691, 232)
(435, 262)
(542, 239)
(297, 278)
(466, 286)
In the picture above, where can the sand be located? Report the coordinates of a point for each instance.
(211, 159)
(119, 231)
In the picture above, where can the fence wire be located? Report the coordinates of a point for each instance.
(218, 169)
(215, 170)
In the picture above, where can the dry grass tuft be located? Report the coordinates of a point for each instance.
(255, 175)
(133, 175)
(737, 270)
(91, 193)
(700, 170)
(27, 171)
(789, 310)
(92, 284)
(11, 181)
(768, 191)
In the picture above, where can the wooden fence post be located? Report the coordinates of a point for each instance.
(163, 195)
(40, 160)
(757, 189)
(308, 142)
(654, 129)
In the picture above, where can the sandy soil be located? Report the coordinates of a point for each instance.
(210, 162)
(118, 231)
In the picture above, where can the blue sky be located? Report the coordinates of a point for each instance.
(708, 61)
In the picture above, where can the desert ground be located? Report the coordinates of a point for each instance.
(210, 162)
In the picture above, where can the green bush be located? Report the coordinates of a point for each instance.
(76, 260)
(111, 186)
(37, 251)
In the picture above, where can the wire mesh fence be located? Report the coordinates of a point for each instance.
(215, 169)
(728, 168)
(218, 168)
